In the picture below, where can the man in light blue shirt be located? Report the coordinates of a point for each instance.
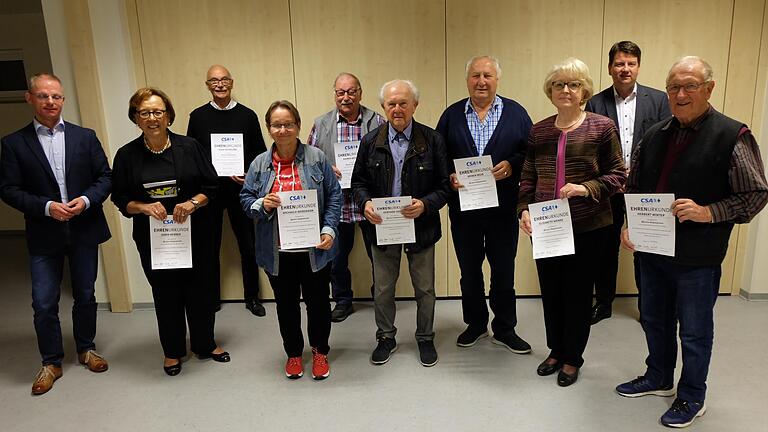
(57, 174)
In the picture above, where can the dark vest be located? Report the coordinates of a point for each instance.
(700, 174)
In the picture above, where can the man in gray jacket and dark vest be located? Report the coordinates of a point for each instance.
(711, 163)
(347, 123)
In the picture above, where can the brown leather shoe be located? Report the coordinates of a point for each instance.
(93, 361)
(45, 378)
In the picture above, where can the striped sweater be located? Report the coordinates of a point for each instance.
(592, 159)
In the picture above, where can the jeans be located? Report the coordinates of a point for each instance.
(675, 293)
(294, 278)
(475, 237)
(421, 265)
(46, 290)
(341, 278)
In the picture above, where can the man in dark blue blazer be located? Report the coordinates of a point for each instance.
(634, 108)
(487, 124)
(57, 174)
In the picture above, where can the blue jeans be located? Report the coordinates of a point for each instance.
(46, 290)
(675, 293)
(341, 278)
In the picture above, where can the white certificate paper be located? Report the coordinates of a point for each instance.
(479, 191)
(170, 243)
(346, 154)
(552, 228)
(394, 228)
(651, 223)
(227, 154)
(298, 219)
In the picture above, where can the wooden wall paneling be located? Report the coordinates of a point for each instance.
(377, 41)
(181, 39)
(528, 38)
(85, 70)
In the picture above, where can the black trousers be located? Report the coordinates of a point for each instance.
(566, 295)
(477, 235)
(605, 283)
(181, 293)
(228, 199)
(295, 277)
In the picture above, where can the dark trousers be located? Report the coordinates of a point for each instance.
(228, 199)
(475, 237)
(605, 282)
(566, 295)
(295, 277)
(180, 294)
(341, 278)
(47, 273)
(675, 293)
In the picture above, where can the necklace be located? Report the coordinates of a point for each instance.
(165, 147)
(578, 119)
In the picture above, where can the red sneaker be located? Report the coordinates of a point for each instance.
(294, 369)
(320, 367)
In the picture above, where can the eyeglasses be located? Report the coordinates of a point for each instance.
(351, 92)
(277, 126)
(216, 81)
(46, 96)
(572, 85)
(156, 114)
(688, 88)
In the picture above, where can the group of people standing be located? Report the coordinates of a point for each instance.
(56, 173)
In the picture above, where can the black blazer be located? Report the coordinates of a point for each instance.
(652, 107)
(27, 183)
(194, 174)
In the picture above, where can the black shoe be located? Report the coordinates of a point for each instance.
(383, 351)
(546, 369)
(470, 336)
(512, 342)
(427, 353)
(341, 312)
(173, 370)
(564, 379)
(600, 312)
(255, 306)
(221, 357)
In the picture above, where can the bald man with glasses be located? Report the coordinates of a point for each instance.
(224, 117)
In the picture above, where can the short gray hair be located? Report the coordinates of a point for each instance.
(33, 79)
(706, 69)
(493, 60)
(572, 68)
(408, 83)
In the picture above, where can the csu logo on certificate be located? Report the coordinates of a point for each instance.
(297, 197)
(391, 201)
(650, 200)
(168, 222)
(473, 163)
(549, 208)
(350, 147)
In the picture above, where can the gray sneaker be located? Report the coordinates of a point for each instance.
(512, 342)
(427, 353)
(383, 351)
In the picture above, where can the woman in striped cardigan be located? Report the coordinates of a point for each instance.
(573, 155)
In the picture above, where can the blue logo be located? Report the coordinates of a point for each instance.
(349, 147)
(225, 139)
(474, 163)
(650, 200)
(391, 201)
(297, 197)
(168, 221)
(549, 208)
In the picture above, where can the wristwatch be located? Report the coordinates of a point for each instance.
(195, 203)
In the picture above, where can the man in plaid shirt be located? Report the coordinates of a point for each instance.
(347, 123)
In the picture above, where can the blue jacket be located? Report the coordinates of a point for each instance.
(315, 173)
